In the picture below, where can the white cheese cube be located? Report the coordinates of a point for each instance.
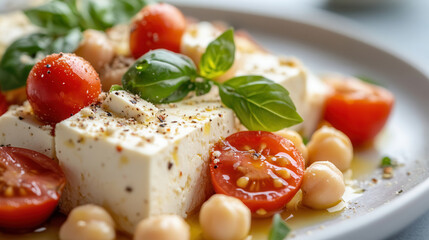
(136, 170)
(130, 106)
(20, 128)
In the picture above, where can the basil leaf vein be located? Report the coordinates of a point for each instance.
(219, 56)
(259, 103)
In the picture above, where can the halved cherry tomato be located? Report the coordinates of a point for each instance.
(3, 104)
(61, 85)
(157, 26)
(261, 169)
(358, 109)
(30, 187)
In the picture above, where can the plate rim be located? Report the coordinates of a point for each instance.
(366, 226)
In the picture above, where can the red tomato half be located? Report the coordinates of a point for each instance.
(30, 187)
(3, 104)
(358, 109)
(157, 26)
(61, 85)
(261, 169)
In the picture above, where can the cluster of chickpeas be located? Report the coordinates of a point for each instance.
(221, 218)
(328, 153)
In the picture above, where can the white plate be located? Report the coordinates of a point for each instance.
(389, 205)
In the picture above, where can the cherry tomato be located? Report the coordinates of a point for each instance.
(358, 109)
(30, 187)
(157, 26)
(261, 169)
(61, 85)
(3, 104)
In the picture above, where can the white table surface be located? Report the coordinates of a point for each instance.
(401, 26)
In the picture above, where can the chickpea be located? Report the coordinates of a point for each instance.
(329, 144)
(96, 49)
(224, 218)
(163, 227)
(88, 222)
(296, 139)
(322, 185)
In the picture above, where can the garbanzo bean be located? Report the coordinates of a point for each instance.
(96, 49)
(329, 144)
(224, 218)
(88, 222)
(164, 227)
(296, 139)
(322, 185)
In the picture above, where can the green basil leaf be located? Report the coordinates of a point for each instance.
(259, 103)
(54, 17)
(102, 14)
(161, 76)
(219, 56)
(202, 87)
(20, 57)
(279, 229)
(368, 80)
(115, 87)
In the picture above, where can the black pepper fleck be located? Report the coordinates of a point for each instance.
(215, 166)
(48, 65)
(129, 189)
(170, 165)
(21, 118)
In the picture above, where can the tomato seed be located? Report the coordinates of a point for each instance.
(9, 191)
(242, 182)
(278, 183)
(283, 173)
(262, 147)
(247, 148)
(261, 211)
(282, 162)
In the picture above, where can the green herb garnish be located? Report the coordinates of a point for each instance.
(61, 24)
(20, 57)
(115, 88)
(368, 80)
(388, 162)
(279, 229)
(162, 76)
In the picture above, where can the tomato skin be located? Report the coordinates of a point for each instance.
(3, 104)
(358, 109)
(27, 169)
(61, 85)
(225, 170)
(157, 26)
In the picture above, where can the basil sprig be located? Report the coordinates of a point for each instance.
(20, 57)
(61, 23)
(279, 229)
(162, 76)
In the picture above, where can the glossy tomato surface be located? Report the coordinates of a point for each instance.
(61, 85)
(261, 169)
(157, 26)
(358, 109)
(3, 104)
(30, 187)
